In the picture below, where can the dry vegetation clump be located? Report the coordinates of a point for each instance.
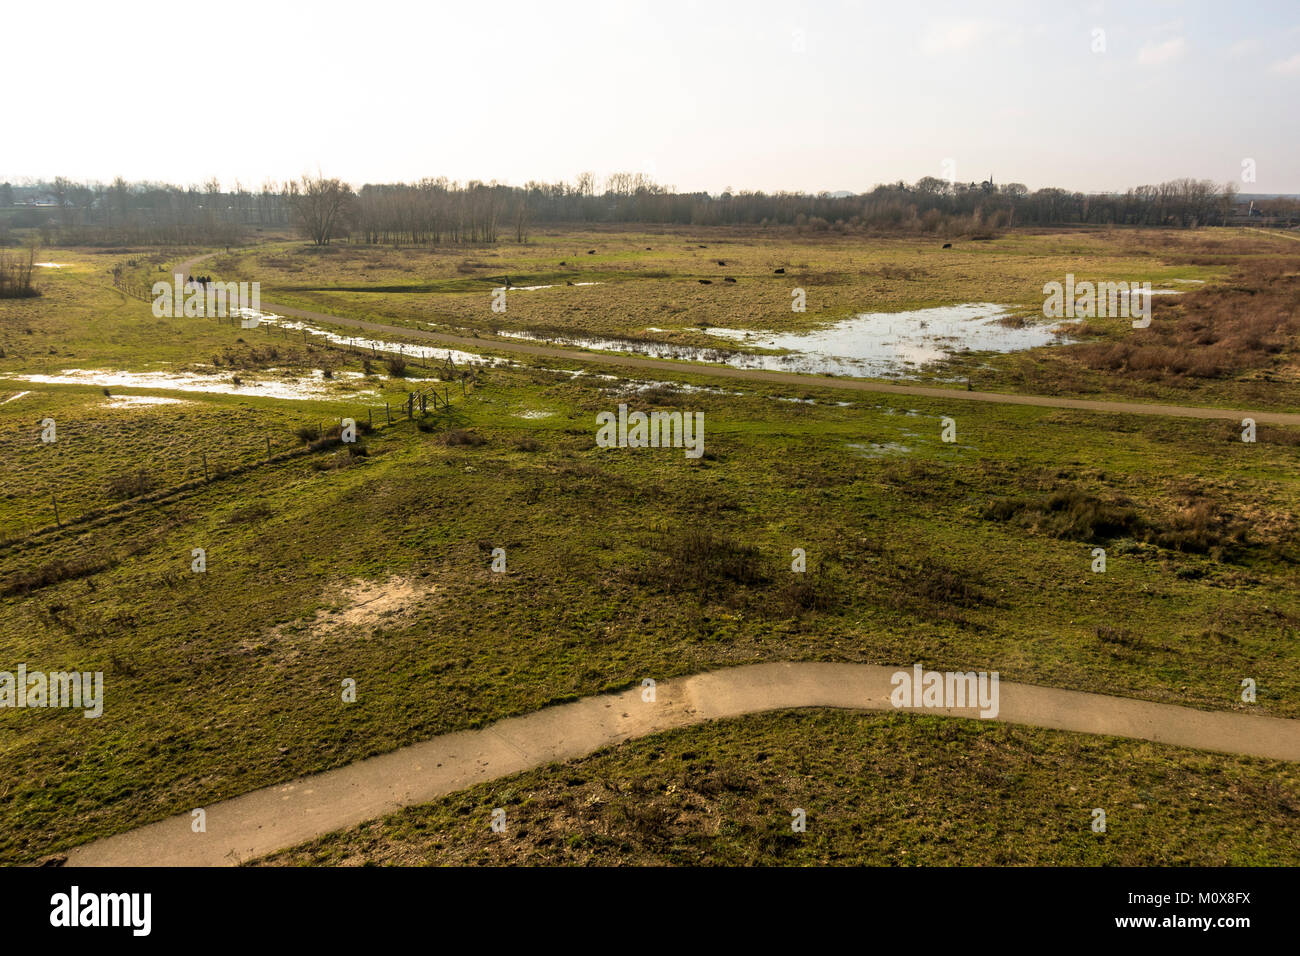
(462, 436)
(1067, 513)
(1215, 332)
(1196, 523)
(16, 276)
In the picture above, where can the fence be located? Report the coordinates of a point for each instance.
(417, 405)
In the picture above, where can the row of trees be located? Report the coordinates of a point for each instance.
(436, 211)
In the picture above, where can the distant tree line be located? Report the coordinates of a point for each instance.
(439, 211)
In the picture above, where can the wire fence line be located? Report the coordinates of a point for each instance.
(317, 437)
(314, 437)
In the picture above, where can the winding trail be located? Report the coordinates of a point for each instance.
(476, 344)
(285, 815)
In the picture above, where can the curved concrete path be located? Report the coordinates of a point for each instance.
(475, 344)
(286, 815)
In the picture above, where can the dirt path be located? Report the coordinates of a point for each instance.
(470, 343)
(286, 815)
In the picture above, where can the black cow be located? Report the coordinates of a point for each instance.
(728, 279)
(780, 272)
(706, 282)
(947, 245)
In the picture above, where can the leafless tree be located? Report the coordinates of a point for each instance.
(322, 206)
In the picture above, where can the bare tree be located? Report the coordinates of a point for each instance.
(322, 206)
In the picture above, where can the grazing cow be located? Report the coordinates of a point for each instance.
(721, 263)
(780, 272)
(703, 246)
(706, 282)
(591, 252)
(947, 245)
(567, 282)
(564, 263)
(728, 279)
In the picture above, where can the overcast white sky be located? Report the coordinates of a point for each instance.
(820, 94)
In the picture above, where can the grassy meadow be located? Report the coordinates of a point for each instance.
(374, 564)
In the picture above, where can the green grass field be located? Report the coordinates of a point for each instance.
(622, 564)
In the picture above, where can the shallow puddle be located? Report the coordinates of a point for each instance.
(315, 386)
(877, 345)
(881, 450)
(138, 401)
(374, 346)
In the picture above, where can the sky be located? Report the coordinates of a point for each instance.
(813, 95)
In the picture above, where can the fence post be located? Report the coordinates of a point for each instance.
(410, 405)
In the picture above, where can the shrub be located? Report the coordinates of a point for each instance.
(16, 276)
